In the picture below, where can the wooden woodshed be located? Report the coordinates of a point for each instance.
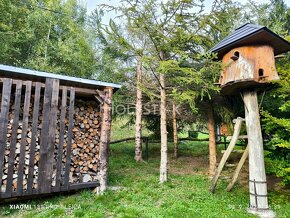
(54, 132)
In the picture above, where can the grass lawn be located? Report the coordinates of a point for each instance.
(140, 195)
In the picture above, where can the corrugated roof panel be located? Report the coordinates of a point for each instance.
(29, 74)
(239, 33)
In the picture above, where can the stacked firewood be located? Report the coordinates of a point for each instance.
(84, 150)
(86, 137)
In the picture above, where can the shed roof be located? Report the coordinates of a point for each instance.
(21, 73)
(251, 34)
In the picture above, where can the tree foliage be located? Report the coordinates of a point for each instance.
(46, 35)
(171, 37)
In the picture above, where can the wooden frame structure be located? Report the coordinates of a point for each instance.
(249, 58)
(25, 96)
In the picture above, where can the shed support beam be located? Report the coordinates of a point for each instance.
(106, 110)
(257, 176)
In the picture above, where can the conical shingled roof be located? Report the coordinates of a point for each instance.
(251, 34)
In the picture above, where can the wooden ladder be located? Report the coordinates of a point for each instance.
(238, 124)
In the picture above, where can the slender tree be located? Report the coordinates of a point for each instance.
(127, 44)
(138, 109)
(175, 132)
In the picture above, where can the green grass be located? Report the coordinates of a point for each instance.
(184, 195)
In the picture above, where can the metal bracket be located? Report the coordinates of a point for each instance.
(257, 195)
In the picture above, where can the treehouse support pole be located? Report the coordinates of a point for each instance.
(257, 175)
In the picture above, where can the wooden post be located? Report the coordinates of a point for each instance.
(175, 135)
(106, 109)
(257, 176)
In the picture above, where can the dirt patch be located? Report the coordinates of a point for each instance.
(199, 165)
(188, 165)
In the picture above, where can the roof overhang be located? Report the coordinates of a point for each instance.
(250, 34)
(39, 76)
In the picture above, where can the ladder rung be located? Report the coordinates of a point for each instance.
(225, 177)
(240, 137)
(231, 165)
(233, 151)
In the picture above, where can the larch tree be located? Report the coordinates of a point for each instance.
(138, 112)
(175, 130)
(167, 26)
(126, 43)
(225, 15)
(176, 38)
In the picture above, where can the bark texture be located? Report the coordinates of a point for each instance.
(256, 152)
(212, 141)
(105, 139)
(138, 122)
(163, 128)
(175, 134)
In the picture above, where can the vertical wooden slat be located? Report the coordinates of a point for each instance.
(14, 137)
(5, 103)
(23, 137)
(52, 129)
(43, 186)
(33, 136)
(69, 138)
(61, 139)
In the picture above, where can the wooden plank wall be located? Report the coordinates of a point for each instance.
(5, 104)
(23, 91)
(14, 137)
(33, 136)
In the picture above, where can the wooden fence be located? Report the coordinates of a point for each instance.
(147, 140)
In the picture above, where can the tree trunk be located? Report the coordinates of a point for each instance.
(212, 142)
(105, 139)
(138, 123)
(163, 128)
(175, 135)
(47, 40)
(257, 175)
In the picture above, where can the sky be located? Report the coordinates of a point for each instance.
(91, 5)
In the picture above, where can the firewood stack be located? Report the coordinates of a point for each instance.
(85, 143)
(86, 137)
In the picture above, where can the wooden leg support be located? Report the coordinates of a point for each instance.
(257, 175)
(238, 169)
(226, 155)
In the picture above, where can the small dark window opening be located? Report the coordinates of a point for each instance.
(237, 54)
(261, 72)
